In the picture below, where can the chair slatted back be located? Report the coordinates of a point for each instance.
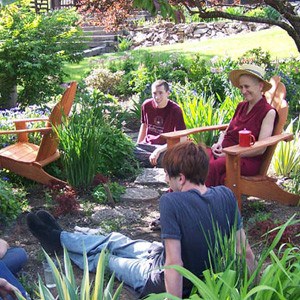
(49, 141)
(276, 97)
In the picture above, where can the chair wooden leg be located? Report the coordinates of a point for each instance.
(269, 190)
(31, 171)
(232, 180)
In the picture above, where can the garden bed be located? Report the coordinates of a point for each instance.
(254, 211)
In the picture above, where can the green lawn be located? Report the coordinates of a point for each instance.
(275, 40)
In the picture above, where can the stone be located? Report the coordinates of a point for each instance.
(151, 176)
(123, 215)
(140, 194)
(200, 31)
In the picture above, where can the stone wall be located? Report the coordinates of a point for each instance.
(168, 33)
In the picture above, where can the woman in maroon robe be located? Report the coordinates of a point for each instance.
(254, 114)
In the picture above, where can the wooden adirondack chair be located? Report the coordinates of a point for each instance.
(27, 159)
(261, 185)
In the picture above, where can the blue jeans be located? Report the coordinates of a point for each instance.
(10, 277)
(142, 153)
(128, 258)
(15, 258)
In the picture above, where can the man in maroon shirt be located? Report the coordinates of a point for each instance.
(159, 115)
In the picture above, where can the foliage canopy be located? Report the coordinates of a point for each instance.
(33, 48)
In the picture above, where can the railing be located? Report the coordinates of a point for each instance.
(45, 5)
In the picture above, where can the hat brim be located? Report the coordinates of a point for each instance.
(234, 77)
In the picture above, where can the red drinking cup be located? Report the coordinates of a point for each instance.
(246, 138)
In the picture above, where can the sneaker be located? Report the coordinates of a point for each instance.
(47, 236)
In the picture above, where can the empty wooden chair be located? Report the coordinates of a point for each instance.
(27, 159)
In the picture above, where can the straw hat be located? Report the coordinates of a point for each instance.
(252, 70)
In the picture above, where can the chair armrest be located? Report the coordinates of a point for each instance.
(272, 140)
(175, 137)
(31, 120)
(18, 131)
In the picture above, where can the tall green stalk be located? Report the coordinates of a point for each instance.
(202, 110)
(276, 277)
(79, 141)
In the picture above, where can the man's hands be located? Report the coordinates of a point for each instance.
(155, 154)
(7, 289)
(154, 157)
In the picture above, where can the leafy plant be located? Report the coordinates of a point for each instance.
(65, 198)
(286, 159)
(280, 278)
(289, 71)
(79, 141)
(269, 228)
(12, 201)
(33, 48)
(201, 110)
(100, 194)
(256, 56)
(124, 44)
(67, 287)
(92, 141)
(104, 80)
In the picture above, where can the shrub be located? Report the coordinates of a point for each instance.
(124, 44)
(104, 80)
(33, 49)
(92, 141)
(267, 12)
(12, 201)
(257, 56)
(211, 77)
(289, 71)
(116, 157)
(65, 199)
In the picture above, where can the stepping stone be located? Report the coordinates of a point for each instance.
(151, 176)
(140, 194)
(123, 215)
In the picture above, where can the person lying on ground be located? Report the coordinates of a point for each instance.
(188, 216)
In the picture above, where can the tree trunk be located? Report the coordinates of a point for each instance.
(8, 92)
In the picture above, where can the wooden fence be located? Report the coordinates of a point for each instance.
(45, 5)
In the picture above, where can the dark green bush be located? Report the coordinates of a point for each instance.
(257, 56)
(92, 141)
(12, 200)
(33, 48)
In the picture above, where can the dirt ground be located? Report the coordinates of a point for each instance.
(253, 211)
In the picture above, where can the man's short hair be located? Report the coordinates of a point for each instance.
(161, 82)
(189, 159)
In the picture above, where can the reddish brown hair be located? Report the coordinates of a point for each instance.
(189, 159)
(161, 82)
